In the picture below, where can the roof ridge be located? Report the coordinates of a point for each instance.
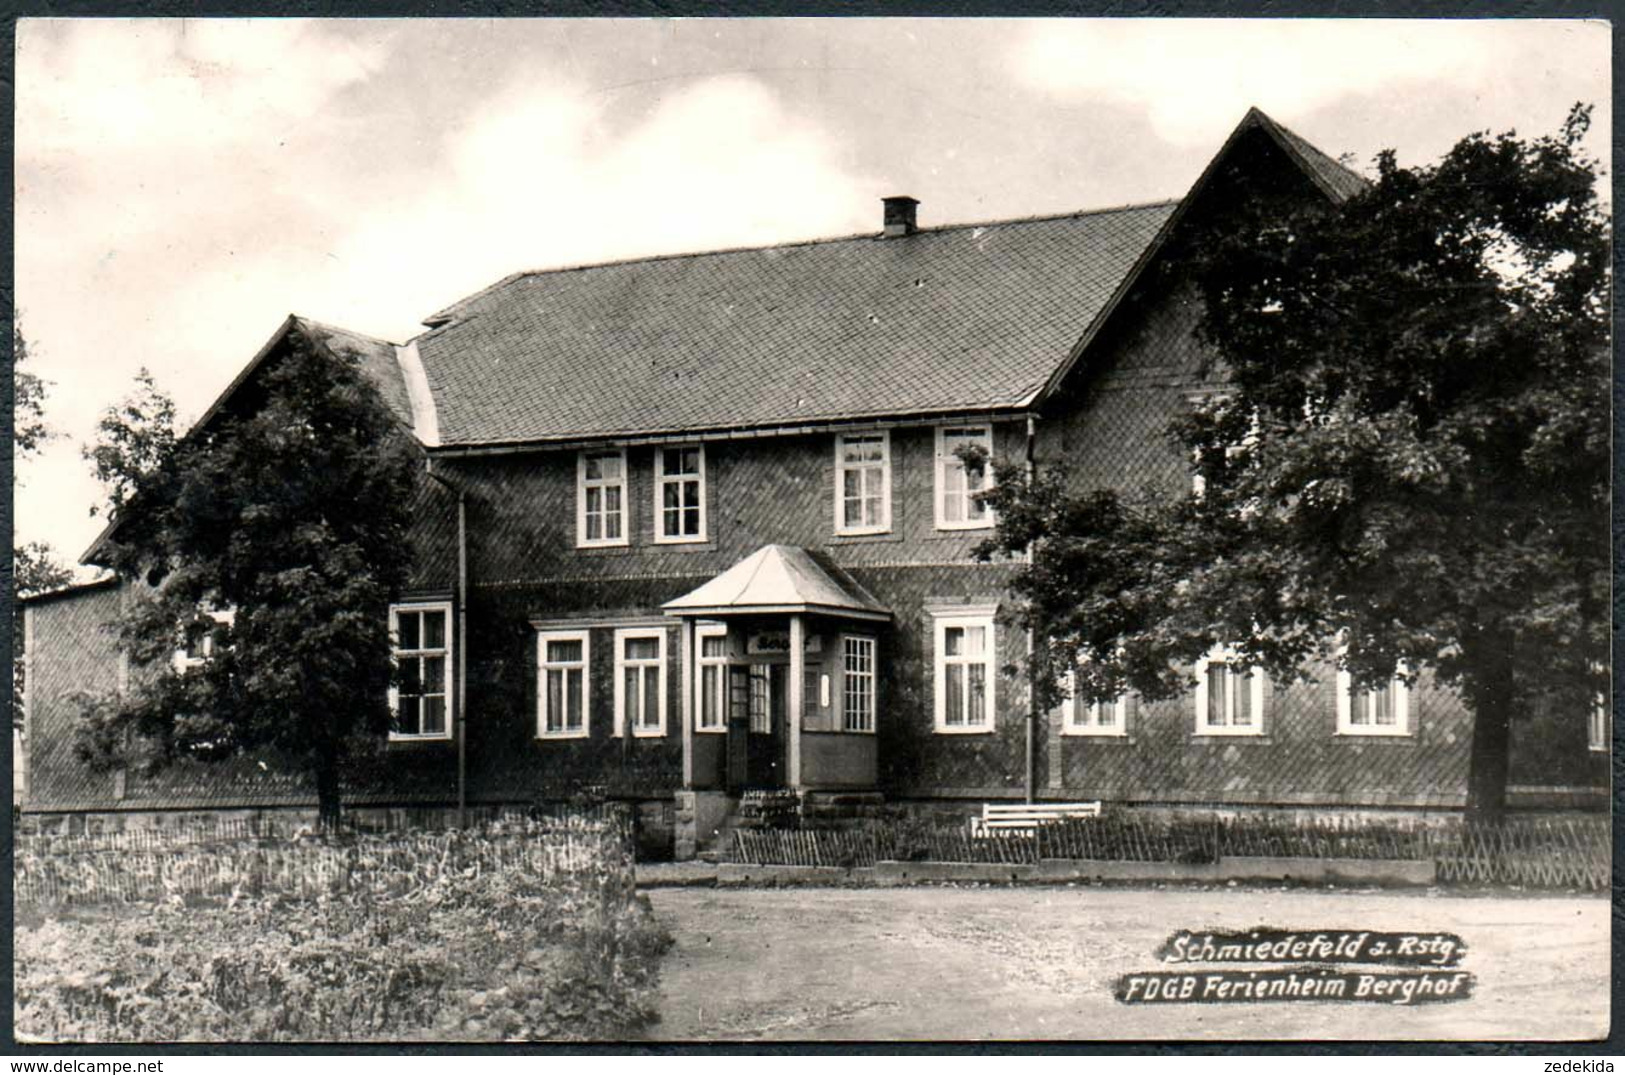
(1314, 160)
(329, 326)
(445, 312)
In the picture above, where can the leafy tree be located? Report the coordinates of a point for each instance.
(29, 430)
(34, 568)
(135, 441)
(288, 515)
(1408, 469)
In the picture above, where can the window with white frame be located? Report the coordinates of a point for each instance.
(640, 681)
(857, 683)
(561, 684)
(957, 485)
(202, 636)
(680, 493)
(1384, 711)
(421, 643)
(1232, 452)
(711, 707)
(601, 498)
(863, 483)
(964, 674)
(1093, 718)
(1229, 696)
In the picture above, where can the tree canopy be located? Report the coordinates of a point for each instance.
(28, 430)
(34, 567)
(1408, 468)
(278, 529)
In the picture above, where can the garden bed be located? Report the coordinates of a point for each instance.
(514, 932)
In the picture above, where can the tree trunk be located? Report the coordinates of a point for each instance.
(327, 791)
(1493, 700)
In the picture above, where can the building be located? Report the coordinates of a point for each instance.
(696, 524)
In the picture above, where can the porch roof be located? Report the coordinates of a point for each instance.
(779, 578)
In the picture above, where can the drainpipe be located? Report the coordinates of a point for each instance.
(1031, 774)
(460, 708)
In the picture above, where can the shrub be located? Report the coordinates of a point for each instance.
(463, 952)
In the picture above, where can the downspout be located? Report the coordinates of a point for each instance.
(460, 708)
(1031, 774)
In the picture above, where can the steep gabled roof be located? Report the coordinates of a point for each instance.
(1335, 181)
(967, 318)
(1339, 182)
(377, 361)
(953, 319)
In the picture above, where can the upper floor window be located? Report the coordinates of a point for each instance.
(201, 637)
(680, 493)
(958, 484)
(640, 681)
(421, 639)
(1385, 711)
(857, 683)
(1229, 696)
(561, 681)
(964, 673)
(1093, 718)
(601, 498)
(711, 710)
(862, 483)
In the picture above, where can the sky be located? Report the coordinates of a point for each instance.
(183, 184)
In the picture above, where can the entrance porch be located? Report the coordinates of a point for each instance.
(781, 677)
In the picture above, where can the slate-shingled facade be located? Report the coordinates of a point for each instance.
(703, 494)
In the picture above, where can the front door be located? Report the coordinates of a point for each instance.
(758, 697)
(769, 698)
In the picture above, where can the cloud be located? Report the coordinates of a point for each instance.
(107, 85)
(550, 176)
(1196, 77)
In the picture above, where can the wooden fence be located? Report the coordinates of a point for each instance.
(808, 847)
(1545, 853)
(1559, 853)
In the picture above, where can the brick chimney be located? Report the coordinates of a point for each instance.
(899, 216)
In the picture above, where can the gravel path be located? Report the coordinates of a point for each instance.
(1040, 963)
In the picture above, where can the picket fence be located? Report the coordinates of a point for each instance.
(1543, 853)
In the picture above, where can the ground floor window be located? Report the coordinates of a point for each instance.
(711, 705)
(1229, 696)
(561, 678)
(640, 681)
(421, 644)
(1383, 711)
(964, 673)
(1093, 718)
(858, 683)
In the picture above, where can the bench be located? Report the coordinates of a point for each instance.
(1026, 817)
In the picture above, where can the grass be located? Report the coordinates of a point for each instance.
(463, 938)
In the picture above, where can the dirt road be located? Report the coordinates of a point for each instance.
(1040, 963)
